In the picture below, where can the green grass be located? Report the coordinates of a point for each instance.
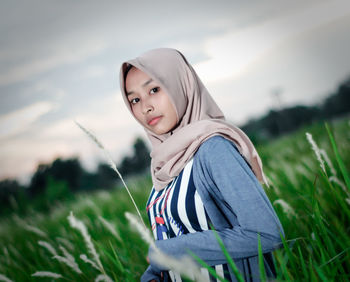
(319, 225)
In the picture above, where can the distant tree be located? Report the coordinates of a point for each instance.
(339, 103)
(89, 181)
(277, 122)
(69, 170)
(57, 190)
(141, 155)
(38, 182)
(289, 119)
(138, 161)
(10, 192)
(106, 176)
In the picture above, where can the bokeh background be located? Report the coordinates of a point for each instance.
(59, 62)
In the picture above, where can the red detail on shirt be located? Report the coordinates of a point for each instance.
(159, 220)
(159, 198)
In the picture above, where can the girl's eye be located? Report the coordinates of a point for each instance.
(154, 90)
(134, 101)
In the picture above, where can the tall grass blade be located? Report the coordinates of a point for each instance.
(117, 261)
(335, 257)
(261, 261)
(207, 266)
(230, 261)
(302, 261)
(321, 274)
(339, 159)
(289, 255)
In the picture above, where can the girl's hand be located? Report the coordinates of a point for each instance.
(161, 274)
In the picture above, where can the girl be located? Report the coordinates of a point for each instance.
(205, 171)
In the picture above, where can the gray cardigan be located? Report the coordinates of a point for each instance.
(238, 209)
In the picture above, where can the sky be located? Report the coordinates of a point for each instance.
(59, 62)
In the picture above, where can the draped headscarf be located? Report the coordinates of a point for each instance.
(199, 117)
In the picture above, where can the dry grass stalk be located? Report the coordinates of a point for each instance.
(68, 259)
(4, 278)
(110, 227)
(48, 247)
(347, 201)
(103, 277)
(47, 274)
(110, 162)
(317, 150)
(79, 225)
(65, 242)
(88, 261)
(336, 180)
(328, 161)
(286, 207)
(35, 230)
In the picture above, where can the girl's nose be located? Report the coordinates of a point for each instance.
(147, 107)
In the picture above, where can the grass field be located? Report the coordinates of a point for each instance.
(313, 204)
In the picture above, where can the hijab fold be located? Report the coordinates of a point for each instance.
(199, 117)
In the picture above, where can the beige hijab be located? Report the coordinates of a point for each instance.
(198, 115)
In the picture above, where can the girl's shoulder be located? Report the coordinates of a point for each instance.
(216, 144)
(217, 150)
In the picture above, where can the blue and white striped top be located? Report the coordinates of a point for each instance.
(178, 209)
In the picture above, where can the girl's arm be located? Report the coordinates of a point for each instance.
(219, 168)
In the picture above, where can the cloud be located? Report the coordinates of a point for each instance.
(232, 53)
(58, 57)
(19, 120)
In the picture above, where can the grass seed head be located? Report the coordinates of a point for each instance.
(80, 226)
(84, 258)
(47, 274)
(48, 247)
(35, 230)
(286, 207)
(317, 151)
(103, 277)
(110, 227)
(4, 278)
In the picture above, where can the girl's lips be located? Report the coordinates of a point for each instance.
(153, 121)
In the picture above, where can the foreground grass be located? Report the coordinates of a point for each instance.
(121, 251)
(312, 204)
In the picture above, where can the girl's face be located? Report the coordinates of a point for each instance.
(150, 104)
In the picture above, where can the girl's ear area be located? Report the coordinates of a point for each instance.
(122, 78)
(124, 72)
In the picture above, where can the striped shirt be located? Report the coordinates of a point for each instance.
(178, 209)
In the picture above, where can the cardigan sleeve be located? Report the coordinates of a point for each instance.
(219, 168)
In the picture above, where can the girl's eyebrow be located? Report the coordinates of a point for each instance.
(143, 85)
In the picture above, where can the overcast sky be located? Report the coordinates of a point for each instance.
(59, 62)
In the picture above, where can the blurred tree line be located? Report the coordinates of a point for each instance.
(61, 179)
(279, 122)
